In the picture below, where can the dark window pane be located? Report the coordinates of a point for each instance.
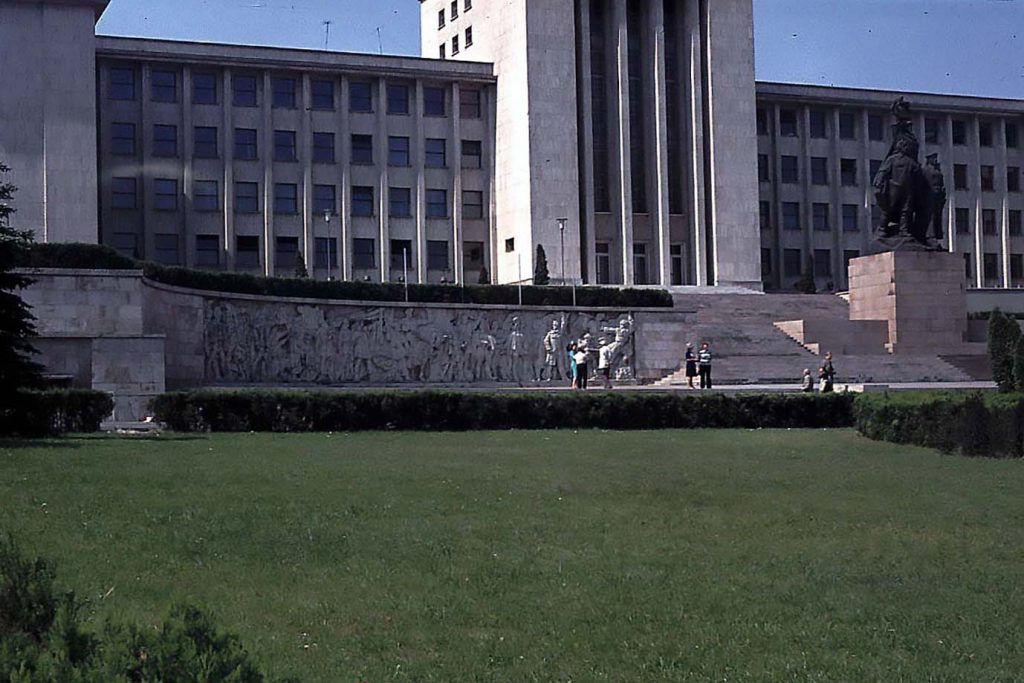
(360, 97)
(204, 88)
(163, 85)
(398, 99)
(243, 91)
(323, 94)
(362, 149)
(122, 83)
(433, 101)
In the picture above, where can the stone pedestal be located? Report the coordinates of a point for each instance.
(922, 296)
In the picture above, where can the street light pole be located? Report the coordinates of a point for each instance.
(561, 236)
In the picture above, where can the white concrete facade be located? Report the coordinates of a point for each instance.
(630, 118)
(48, 115)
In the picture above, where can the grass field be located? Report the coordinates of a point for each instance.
(526, 556)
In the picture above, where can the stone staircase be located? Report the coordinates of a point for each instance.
(749, 348)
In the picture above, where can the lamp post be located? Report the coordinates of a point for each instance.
(327, 222)
(561, 237)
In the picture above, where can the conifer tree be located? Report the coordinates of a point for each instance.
(17, 324)
(540, 269)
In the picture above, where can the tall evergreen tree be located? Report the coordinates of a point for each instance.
(540, 268)
(1003, 333)
(300, 265)
(17, 324)
(485, 277)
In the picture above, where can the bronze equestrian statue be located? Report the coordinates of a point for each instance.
(910, 197)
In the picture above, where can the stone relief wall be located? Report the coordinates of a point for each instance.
(282, 343)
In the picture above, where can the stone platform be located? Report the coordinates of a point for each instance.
(920, 295)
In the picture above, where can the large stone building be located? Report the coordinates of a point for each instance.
(619, 134)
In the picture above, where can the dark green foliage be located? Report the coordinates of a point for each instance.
(300, 265)
(540, 268)
(485, 277)
(43, 637)
(75, 255)
(313, 411)
(17, 324)
(53, 412)
(243, 283)
(1003, 333)
(1018, 364)
(94, 256)
(974, 424)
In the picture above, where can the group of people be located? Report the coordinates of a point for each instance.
(579, 367)
(698, 364)
(826, 377)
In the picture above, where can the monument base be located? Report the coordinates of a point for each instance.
(920, 294)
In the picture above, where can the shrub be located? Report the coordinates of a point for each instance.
(1003, 333)
(310, 411)
(76, 255)
(540, 270)
(43, 637)
(59, 411)
(968, 424)
(1018, 364)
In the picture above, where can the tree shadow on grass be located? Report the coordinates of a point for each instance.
(83, 440)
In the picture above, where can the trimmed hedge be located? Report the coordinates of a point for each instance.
(973, 424)
(102, 257)
(243, 283)
(49, 413)
(76, 255)
(313, 411)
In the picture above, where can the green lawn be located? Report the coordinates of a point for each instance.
(522, 556)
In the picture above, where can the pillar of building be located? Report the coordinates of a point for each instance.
(732, 142)
(585, 106)
(622, 176)
(695, 138)
(659, 160)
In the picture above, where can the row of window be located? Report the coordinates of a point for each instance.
(245, 92)
(850, 217)
(793, 264)
(789, 171)
(205, 145)
(166, 248)
(820, 123)
(247, 199)
(454, 12)
(455, 43)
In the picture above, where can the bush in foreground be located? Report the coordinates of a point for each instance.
(972, 424)
(311, 411)
(43, 637)
(1003, 333)
(53, 412)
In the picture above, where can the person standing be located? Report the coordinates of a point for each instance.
(807, 383)
(581, 366)
(691, 365)
(570, 350)
(827, 374)
(604, 362)
(704, 365)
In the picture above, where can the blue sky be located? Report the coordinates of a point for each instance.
(973, 47)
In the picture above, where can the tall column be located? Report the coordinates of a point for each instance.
(1004, 207)
(776, 181)
(623, 172)
(975, 189)
(585, 104)
(267, 160)
(695, 131)
(421, 191)
(380, 151)
(732, 142)
(228, 179)
(185, 222)
(455, 172)
(344, 155)
(659, 172)
(307, 248)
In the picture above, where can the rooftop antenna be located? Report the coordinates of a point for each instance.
(380, 44)
(327, 31)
